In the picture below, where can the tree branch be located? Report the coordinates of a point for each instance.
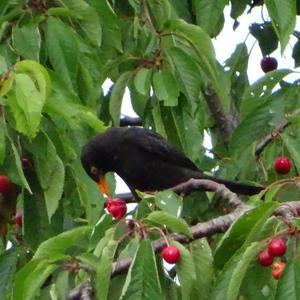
(217, 225)
(208, 185)
(223, 124)
(82, 292)
(268, 139)
(206, 229)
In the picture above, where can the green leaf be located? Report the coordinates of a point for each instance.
(8, 262)
(142, 281)
(230, 279)
(186, 271)
(104, 268)
(54, 191)
(169, 202)
(200, 42)
(159, 11)
(26, 104)
(110, 25)
(99, 230)
(165, 87)
(256, 125)
(271, 193)
(2, 140)
(22, 179)
(283, 17)
(27, 41)
(63, 50)
(266, 36)
(30, 278)
(203, 260)
(242, 232)
(89, 20)
(142, 81)
(292, 144)
(27, 97)
(116, 97)
(45, 159)
(90, 118)
(38, 74)
(57, 245)
(109, 235)
(289, 284)
(187, 73)
(260, 90)
(172, 222)
(238, 7)
(50, 171)
(208, 14)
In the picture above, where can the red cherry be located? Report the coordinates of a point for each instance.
(268, 64)
(278, 268)
(19, 218)
(5, 184)
(265, 258)
(25, 162)
(116, 207)
(171, 254)
(277, 247)
(282, 165)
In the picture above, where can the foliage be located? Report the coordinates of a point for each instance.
(54, 57)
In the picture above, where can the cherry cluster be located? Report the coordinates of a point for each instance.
(118, 208)
(276, 248)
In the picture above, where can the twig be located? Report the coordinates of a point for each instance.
(82, 292)
(268, 139)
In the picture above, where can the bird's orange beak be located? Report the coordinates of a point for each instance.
(103, 186)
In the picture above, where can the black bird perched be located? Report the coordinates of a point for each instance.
(145, 161)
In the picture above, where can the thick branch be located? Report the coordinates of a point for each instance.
(208, 185)
(206, 229)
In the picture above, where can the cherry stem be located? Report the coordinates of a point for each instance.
(162, 234)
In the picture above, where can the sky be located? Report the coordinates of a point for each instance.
(224, 45)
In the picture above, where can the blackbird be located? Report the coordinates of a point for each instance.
(145, 161)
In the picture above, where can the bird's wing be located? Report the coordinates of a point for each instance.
(155, 145)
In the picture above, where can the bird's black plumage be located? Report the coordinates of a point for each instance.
(145, 161)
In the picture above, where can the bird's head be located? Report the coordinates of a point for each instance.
(94, 165)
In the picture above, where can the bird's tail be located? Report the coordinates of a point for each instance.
(235, 186)
(241, 188)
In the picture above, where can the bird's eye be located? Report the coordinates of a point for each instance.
(94, 170)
